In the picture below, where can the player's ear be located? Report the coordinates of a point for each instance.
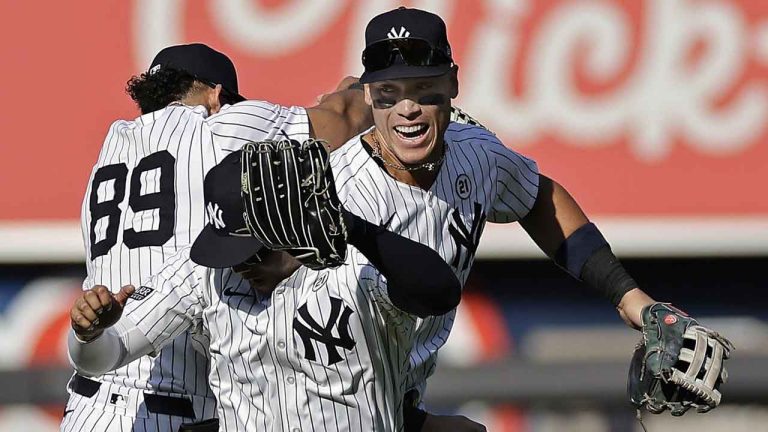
(454, 90)
(367, 91)
(213, 102)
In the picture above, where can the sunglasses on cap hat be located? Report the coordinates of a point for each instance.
(414, 52)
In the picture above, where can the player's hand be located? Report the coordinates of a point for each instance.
(98, 309)
(458, 423)
(343, 85)
(347, 82)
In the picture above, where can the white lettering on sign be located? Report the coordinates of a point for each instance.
(664, 97)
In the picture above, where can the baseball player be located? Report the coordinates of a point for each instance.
(439, 182)
(144, 202)
(291, 348)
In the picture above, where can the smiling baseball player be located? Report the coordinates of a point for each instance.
(439, 182)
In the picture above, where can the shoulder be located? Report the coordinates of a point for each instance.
(121, 125)
(116, 138)
(479, 139)
(248, 121)
(470, 135)
(255, 109)
(349, 160)
(347, 150)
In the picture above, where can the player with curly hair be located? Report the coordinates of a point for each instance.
(144, 202)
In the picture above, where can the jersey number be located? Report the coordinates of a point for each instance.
(164, 200)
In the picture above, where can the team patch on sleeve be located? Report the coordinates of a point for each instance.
(141, 293)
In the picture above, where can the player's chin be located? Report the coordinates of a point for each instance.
(415, 156)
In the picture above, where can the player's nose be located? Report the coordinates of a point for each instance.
(408, 108)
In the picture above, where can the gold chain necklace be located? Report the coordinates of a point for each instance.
(429, 166)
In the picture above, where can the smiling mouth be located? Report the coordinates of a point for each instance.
(411, 132)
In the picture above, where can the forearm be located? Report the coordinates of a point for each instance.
(559, 226)
(358, 114)
(339, 117)
(419, 281)
(115, 347)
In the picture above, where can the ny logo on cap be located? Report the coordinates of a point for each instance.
(215, 215)
(394, 34)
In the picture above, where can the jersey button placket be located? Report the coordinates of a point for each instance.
(284, 297)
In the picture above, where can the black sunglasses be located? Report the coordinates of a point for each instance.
(414, 52)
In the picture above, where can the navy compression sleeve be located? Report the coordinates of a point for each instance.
(419, 281)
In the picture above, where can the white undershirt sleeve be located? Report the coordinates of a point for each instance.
(116, 347)
(164, 306)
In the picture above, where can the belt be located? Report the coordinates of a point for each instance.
(156, 404)
(210, 425)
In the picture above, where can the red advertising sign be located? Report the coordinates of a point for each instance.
(645, 110)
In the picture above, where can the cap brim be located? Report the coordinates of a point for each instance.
(213, 250)
(400, 71)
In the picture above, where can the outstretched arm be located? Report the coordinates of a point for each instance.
(561, 229)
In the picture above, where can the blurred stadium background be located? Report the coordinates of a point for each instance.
(654, 113)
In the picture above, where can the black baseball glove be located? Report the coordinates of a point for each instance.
(291, 203)
(678, 365)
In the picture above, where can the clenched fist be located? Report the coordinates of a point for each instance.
(98, 309)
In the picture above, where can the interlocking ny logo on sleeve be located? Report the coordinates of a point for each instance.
(324, 333)
(465, 238)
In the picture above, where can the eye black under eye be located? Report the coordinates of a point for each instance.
(432, 99)
(383, 103)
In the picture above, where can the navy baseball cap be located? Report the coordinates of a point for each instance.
(201, 61)
(225, 241)
(405, 43)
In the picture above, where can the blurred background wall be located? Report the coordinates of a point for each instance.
(653, 113)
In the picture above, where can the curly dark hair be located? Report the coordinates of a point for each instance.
(152, 92)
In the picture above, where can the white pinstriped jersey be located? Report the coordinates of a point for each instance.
(326, 351)
(480, 180)
(144, 202)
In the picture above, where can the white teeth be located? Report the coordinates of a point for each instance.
(410, 129)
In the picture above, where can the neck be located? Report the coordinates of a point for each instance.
(195, 99)
(263, 287)
(420, 177)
